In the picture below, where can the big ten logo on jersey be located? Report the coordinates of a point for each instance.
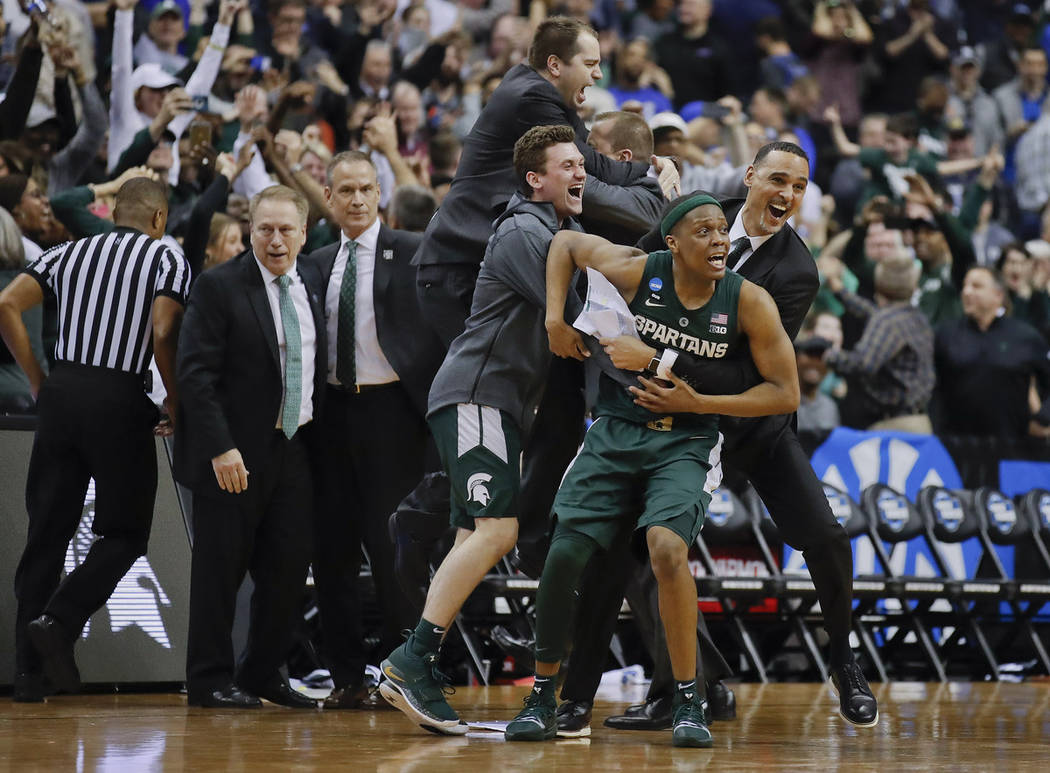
(719, 323)
(678, 339)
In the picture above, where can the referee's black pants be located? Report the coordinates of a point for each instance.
(92, 423)
(265, 530)
(373, 445)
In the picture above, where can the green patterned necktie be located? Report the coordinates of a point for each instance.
(345, 354)
(293, 359)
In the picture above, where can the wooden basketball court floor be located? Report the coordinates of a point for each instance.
(923, 727)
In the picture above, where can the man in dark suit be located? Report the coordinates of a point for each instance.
(564, 60)
(380, 361)
(767, 251)
(251, 381)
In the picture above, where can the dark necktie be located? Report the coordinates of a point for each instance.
(737, 249)
(293, 359)
(345, 353)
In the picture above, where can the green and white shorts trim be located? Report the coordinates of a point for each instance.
(480, 448)
(628, 474)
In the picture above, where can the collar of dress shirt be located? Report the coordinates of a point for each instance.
(366, 241)
(268, 276)
(738, 230)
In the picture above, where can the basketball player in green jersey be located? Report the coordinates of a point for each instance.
(638, 470)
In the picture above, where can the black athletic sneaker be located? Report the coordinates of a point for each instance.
(857, 704)
(536, 722)
(690, 725)
(574, 719)
(414, 685)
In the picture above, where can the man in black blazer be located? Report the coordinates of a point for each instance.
(765, 450)
(251, 381)
(381, 358)
(548, 89)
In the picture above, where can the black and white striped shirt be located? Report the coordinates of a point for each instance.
(105, 286)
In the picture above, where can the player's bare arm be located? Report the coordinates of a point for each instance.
(623, 266)
(772, 353)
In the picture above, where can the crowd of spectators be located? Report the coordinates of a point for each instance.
(927, 123)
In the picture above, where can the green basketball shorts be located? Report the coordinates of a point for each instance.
(480, 449)
(631, 474)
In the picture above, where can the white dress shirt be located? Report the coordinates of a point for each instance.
(372, 365)
(307, 335)
(756, 241)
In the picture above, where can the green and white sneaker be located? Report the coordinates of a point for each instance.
(689, 726)
(414, 685)
(538, 721)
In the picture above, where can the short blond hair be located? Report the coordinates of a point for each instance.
(280, 193)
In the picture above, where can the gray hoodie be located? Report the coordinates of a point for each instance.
(502, 356)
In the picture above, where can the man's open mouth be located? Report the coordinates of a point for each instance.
(777, 210)
(576, 191)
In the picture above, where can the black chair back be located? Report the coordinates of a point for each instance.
(1035, 505)
(728, 519)
(947, 514)
(895, 518)
(846, 511)
(1002, 521)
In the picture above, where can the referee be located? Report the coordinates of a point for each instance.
(120, 296)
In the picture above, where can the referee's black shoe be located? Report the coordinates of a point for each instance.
(55, 645)
(574, 719)
(31, 688)
(857, 705)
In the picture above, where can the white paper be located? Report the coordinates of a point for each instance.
(493, 726)
(605, 313)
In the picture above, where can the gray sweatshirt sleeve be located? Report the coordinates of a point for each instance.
(520, 262)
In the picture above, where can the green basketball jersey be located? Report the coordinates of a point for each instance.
(710, 332)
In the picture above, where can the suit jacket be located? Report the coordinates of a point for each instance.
(621, 213)
(785, 268)
(410, 345)
(485, 179)
(228, 371)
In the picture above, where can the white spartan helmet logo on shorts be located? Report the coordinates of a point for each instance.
(476, 489)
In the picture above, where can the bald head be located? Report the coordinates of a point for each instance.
(142, 204)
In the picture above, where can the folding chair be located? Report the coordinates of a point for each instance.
(1035, 505)
(795, 593)
(1006, 524)
(950, 518)
(730, 522)
(895, 521)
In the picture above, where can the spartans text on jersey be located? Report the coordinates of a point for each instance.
(679, 339)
